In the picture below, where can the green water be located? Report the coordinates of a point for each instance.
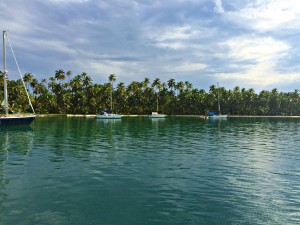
(142, 171)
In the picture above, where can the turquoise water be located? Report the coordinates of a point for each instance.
(143, 171)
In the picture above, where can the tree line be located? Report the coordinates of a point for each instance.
(64, 93)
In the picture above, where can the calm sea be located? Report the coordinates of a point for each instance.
(141, 171)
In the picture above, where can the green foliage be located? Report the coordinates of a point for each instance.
(78, 95)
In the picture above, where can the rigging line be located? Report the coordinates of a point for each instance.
(20, 74)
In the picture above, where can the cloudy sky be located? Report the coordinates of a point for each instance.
(245, 43)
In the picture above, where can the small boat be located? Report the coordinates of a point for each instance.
(12, 119)
(107, 114)
(218, 113)
(156, 115)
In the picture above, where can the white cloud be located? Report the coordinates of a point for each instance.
(104, 67)
(169, 37)
(149, 37)
(265, 15)
(258, 78)
(259, 59)
(186, 67)
(170, 33)
(219, 7)
(178, 37)
(171, 45)
(69, 1)
(256, 49)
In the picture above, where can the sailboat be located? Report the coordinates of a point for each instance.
(156, 114)
(12, 119)
(218, 113)
(108, 114)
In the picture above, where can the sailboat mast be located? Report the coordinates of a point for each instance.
(157, 102)
(111, 97)
(4, 73)
(219, 107)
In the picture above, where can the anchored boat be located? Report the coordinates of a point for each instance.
(218, 113)
(12, 119)
(108, 114)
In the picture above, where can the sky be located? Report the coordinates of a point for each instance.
(245, 43)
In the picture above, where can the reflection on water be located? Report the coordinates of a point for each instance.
(151, 171)
(15, 145)
(16, 140)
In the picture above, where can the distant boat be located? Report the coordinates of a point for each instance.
(218, 113)
(107, 114)
(156, 114)
(12, 119)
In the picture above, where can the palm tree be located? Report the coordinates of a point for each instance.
(112, 79)
(51, 84)
(171, 84)
(28, 78)
(274, 102)
(69, 74)
(156, 83)
(60, 75)
(121, 97)
(86, 80)
(179, 86)
(134, 100)
(33, 84)
(188, 86)
(146, 82)
(236, 101)
(263, 103)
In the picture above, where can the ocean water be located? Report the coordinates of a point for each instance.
(175, 170)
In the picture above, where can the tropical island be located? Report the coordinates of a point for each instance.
(64, 93)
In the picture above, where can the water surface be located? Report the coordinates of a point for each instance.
(151, 171)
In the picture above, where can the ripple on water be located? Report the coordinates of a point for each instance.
(171, 171)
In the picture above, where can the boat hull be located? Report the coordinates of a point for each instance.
(157, 116)
(109, 116)
(16, 120)
(218, 116)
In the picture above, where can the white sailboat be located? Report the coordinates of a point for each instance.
(108, 114)
(218, 113)
(12, 119)
(156, 114)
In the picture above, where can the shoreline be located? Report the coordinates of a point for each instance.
(80, 115)
(199, 116)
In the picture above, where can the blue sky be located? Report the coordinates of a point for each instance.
(245, 43)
